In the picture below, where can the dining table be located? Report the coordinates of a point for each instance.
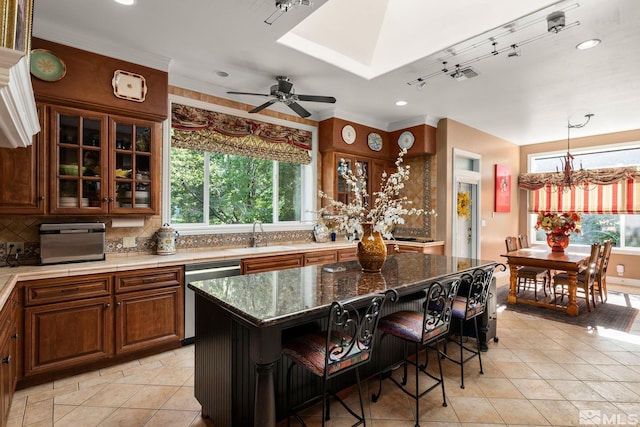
(572, 260)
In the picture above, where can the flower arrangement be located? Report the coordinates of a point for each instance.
(388, 209)
(564, 223)
(464, 205)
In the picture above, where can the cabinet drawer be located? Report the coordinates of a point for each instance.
(149, 279)
(271, 263)
(325, 257)
(66, 289)
(347, 255)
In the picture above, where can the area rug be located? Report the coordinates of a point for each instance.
(619, 312)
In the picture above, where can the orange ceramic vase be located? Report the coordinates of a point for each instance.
(558, 242)
(372, 252)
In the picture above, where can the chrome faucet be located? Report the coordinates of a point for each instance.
(254, 239)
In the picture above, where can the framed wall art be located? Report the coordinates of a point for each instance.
(17, 18)
(503, 189)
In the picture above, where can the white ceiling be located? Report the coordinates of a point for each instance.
(526, 99)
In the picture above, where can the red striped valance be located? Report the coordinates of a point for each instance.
(196, 128)
(622, 197)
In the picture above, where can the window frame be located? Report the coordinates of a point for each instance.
(531, 221)
(309, 180)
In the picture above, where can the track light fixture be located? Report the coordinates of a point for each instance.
(283, 6)
(556, 22)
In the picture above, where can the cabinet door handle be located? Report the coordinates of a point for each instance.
(108, 305)
(105, 199)
(41, 198)
(118, 304)
(15, 336)
(6, 360)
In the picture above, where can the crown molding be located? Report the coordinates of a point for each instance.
(100, 46)
(414, 121)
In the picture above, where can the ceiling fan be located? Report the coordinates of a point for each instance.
(283, 92)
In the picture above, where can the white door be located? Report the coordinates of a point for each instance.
(466, 199)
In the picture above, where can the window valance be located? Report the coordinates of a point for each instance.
(602, 191)
(196, 128)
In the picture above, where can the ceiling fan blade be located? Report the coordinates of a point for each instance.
(315, 98)
(299, 110)
(263, 106)
(248, 93)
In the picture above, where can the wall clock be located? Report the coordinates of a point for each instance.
(406, 140)
(348, 134)
(130, 86)
(374, 141)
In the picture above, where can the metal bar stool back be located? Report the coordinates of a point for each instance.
(420, 328)
(345, 345)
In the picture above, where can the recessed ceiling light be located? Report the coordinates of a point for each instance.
(126, 2)
(401, 103)
(222, 74)
(588, 44)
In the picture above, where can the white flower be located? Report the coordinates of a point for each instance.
(388, 207)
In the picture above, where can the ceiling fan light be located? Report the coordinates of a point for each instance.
(588, 44)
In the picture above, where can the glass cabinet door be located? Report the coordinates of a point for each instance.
(132, 165)
(78, 142)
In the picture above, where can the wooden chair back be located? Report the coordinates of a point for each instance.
(604, 259)
(511, 243)
(592, 266)
(524, 241)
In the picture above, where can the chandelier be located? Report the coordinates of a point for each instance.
(573, 178)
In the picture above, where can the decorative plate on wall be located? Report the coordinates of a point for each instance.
(45, 65)
(130, 86)
(406, 140)
(348, 134)
(374, 141)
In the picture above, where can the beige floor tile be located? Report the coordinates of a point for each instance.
(551, 371)
(60, 411)
(536, 389)
(113, 395)
(171, 375)
(584, 371)
(84, 416)
(39, 411)
(392, 404)
(529, 355)
(171, 418)
(78, 397)
(575, 390)
(619, 372)
(516, 370)
(475, 410)
(563, 356)
(141, 377)
(498, 387)
(202, 422)
(614, 391)
(49, 393)
(76, 379)
(558, 412)
(128, 417)
(121, 367)
(151, 397)
(17, 407)
(183, 399)
(101, 379)
(518, 411)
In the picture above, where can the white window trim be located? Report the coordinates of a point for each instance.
(308, 181)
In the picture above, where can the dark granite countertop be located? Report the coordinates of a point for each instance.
(282, 296)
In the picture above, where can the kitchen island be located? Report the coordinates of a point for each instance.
(242, 321)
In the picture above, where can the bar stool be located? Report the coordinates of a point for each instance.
(469, 304)
(420, 328)
(345, 345)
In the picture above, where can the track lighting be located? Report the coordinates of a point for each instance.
(556, 22)
(421, 84)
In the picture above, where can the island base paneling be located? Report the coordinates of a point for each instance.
(225, 374)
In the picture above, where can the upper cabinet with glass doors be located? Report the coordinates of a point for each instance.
(102, 164)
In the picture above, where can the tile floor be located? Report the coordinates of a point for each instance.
(539, 373)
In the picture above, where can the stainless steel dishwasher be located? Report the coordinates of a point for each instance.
(202, 271)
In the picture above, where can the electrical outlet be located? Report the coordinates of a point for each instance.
(17, 246)
(128, 242)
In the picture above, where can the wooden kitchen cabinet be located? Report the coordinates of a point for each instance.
(150, 317)
(23, 174)
(350, 254)
(102, 164)
(320, 257)
(73, 322)
(8, 355)
(271, 263)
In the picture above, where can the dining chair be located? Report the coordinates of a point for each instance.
(585, 278)
(528, 277)
(470, 303)
(345, 345)
(600, 282)
(424, 328)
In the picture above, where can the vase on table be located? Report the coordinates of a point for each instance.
(558, 242)
(372, 251)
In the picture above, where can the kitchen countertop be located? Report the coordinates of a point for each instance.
(9, 276)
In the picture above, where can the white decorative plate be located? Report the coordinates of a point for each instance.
(375, 141)
(349, 134)
(406, 140)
